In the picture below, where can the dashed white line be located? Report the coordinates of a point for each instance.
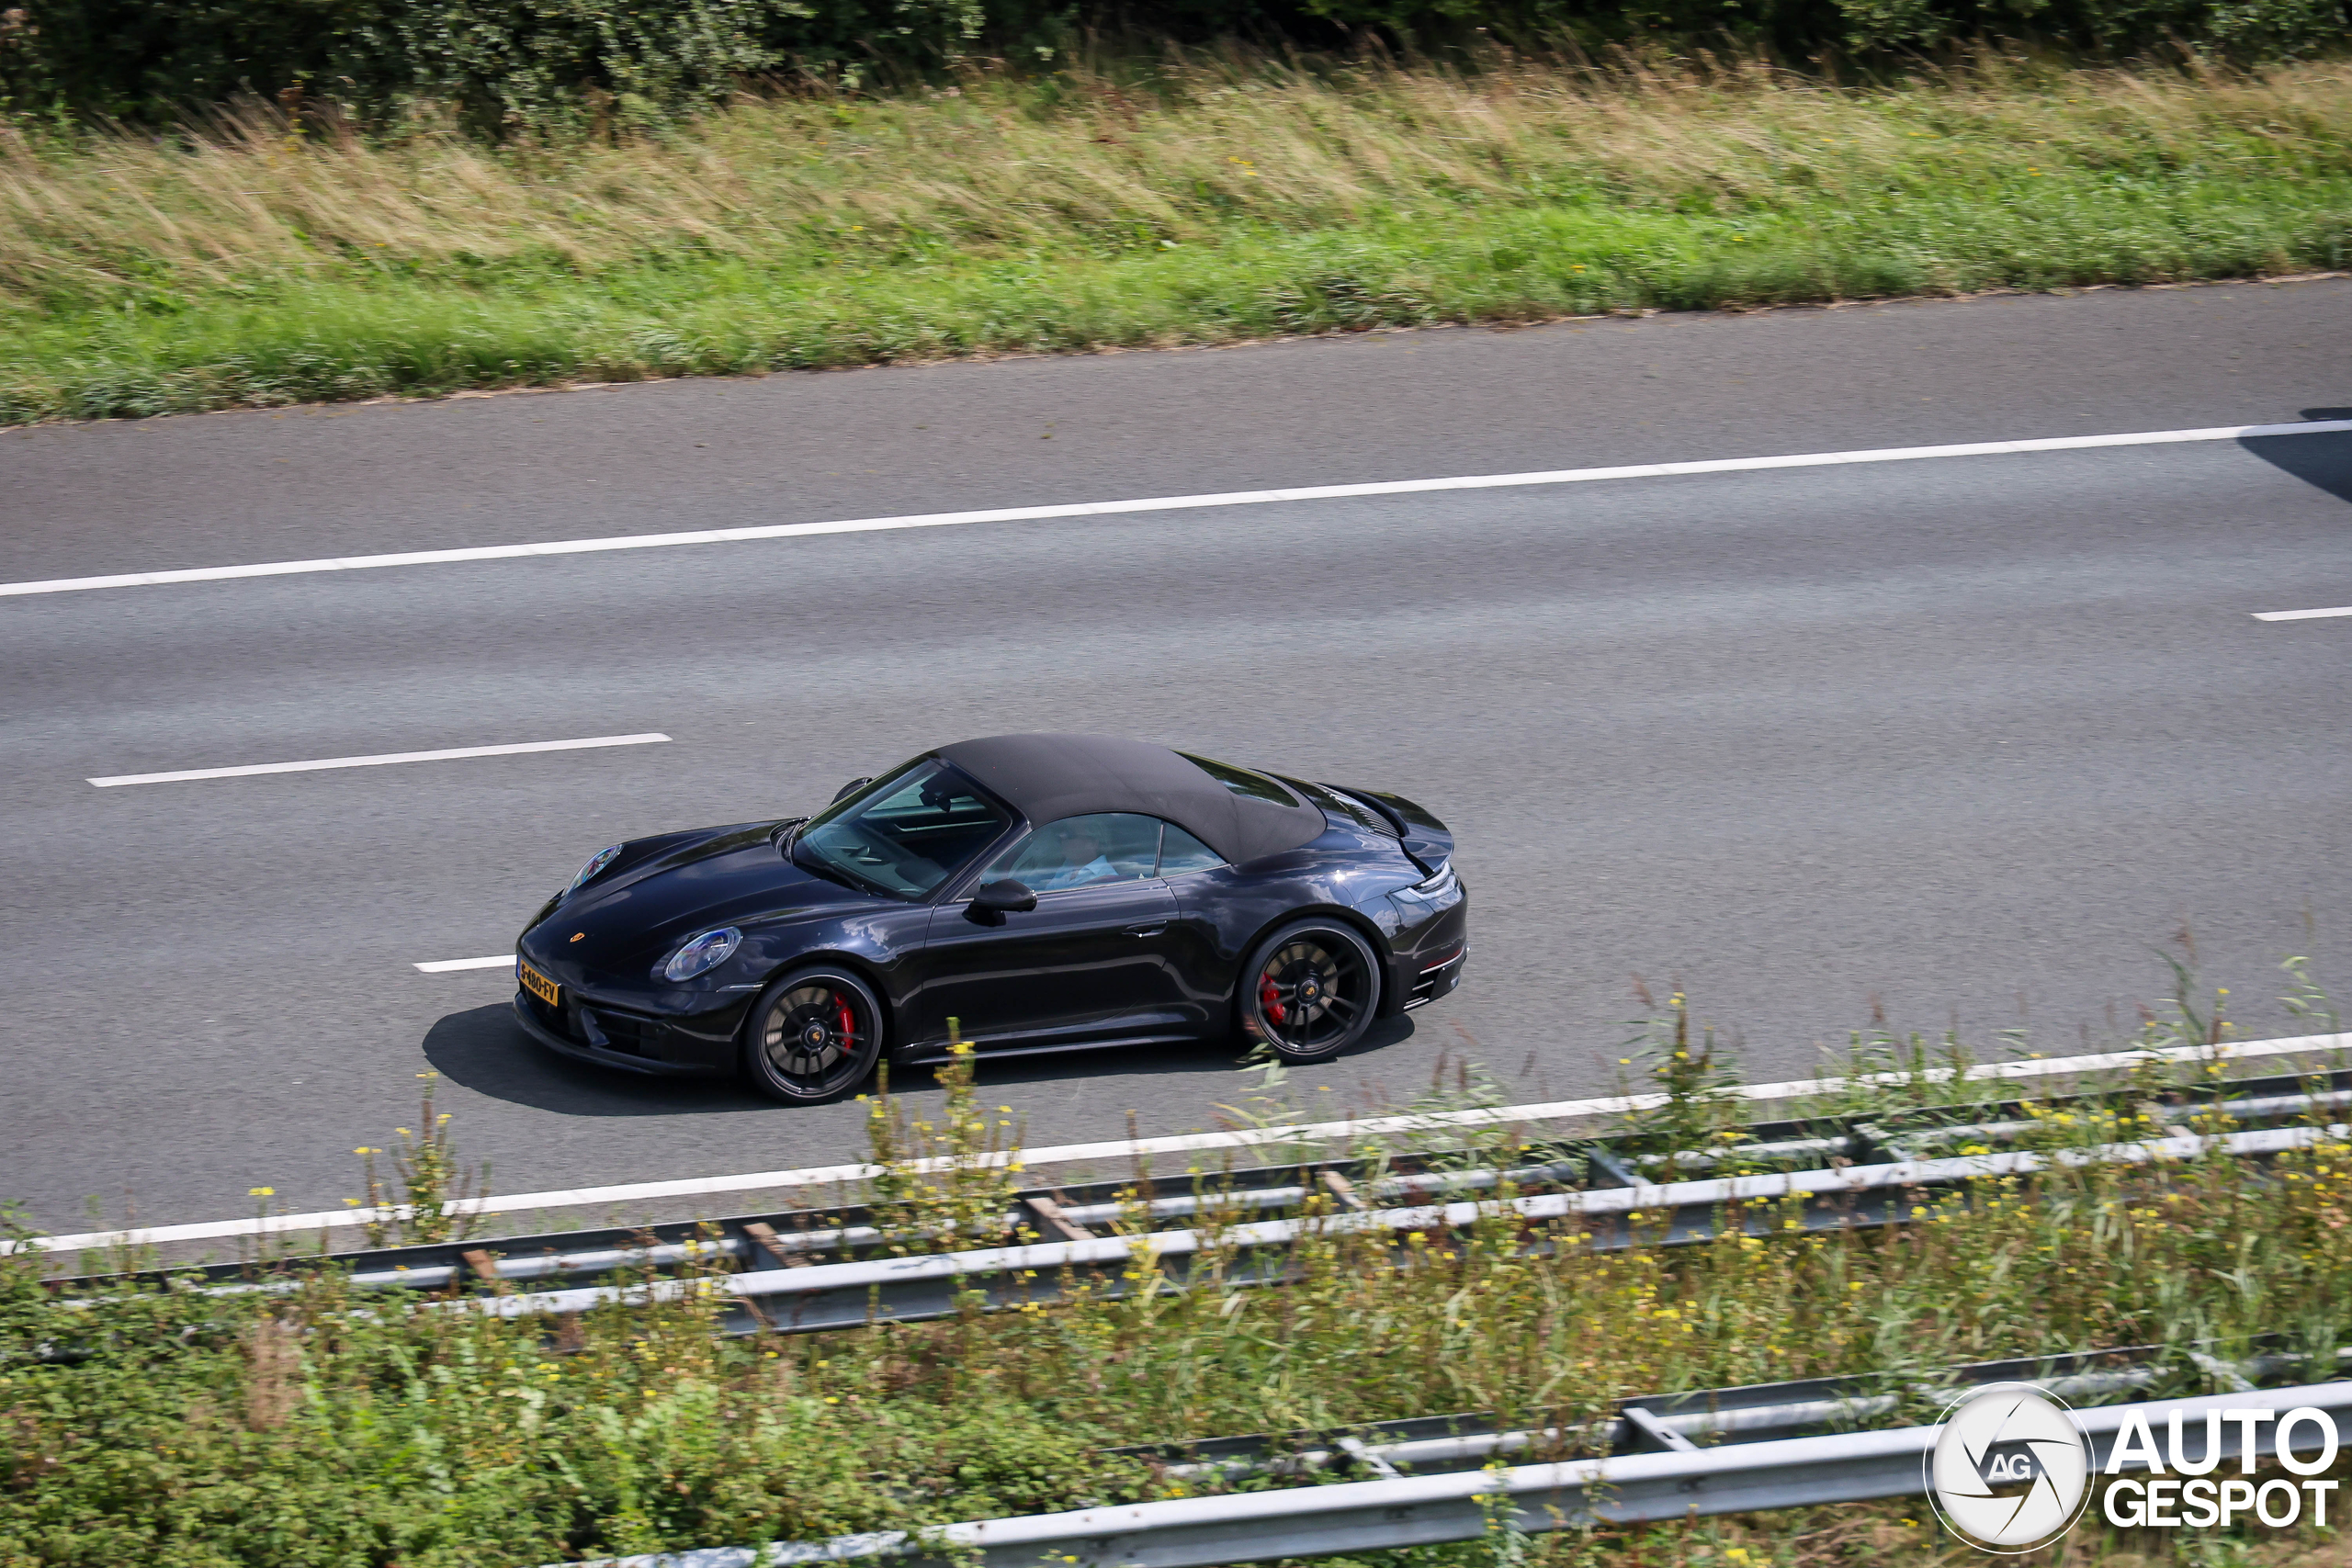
(2301, 615)
(383, 760)
(1127, 1149)
(1176, 502)
(445, 965)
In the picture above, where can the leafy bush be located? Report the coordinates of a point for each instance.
(606, 64)
(547, 64)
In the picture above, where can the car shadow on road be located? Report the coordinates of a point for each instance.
(2322, 462)
(484, 1050)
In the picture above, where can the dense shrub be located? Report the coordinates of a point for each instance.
(550, 63)
(503, 63)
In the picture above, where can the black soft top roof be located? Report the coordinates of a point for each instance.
(1047, 777)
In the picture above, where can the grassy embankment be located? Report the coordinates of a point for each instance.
(1199, 203)
(266, 1432)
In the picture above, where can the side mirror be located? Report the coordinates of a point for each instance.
(991, 901)
(851, 788)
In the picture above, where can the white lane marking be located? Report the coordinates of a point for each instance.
(383, 760)
(444, 966)
(1173, 502)
(1314, 1132)
(2300, 614)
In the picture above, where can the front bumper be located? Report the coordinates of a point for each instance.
(594, 1045)
(1427, 950)
(1435, 981)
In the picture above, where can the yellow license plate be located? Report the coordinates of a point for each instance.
(539, 984)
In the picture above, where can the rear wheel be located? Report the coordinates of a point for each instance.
(813, 1035)
(1309, 990)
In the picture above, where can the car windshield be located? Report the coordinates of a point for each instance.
(907, 833)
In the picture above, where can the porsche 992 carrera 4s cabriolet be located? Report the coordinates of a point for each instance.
(1036, 892)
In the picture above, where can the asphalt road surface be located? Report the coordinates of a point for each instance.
(1960, 740)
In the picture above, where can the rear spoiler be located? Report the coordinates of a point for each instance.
(1427, 840)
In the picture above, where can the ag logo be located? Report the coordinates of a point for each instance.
(2011, 1469)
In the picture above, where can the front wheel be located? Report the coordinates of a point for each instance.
(1309, 990)
(813, 1035)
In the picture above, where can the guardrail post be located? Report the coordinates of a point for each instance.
(1647, 1427)
(485, 1269)
(1604, 1159)
(1339, 1187)
(765, 1236)
(1057, 1222)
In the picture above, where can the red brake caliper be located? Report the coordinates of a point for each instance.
(849, 1022)
(1270, 997)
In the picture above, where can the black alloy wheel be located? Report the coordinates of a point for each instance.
(1309, 990)
(813, 1035)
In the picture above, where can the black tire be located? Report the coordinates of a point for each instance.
(813, 1036)
(1309, 990)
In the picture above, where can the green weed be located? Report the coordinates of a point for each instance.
(325, 1428)
(1210, 201)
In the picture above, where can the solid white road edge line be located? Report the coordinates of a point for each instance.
(1313, 1132)
(444, 966)
(381, 760)
(2301, 615)
(1172, 503)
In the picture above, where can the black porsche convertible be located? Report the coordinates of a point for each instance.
(1035, 892)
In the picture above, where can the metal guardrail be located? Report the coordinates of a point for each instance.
(1754, 1413)
(1422, 1510)
(840, 1295)
(1070, 1213)
(1647, 1423)
(795, 1237)
(1327, 1135)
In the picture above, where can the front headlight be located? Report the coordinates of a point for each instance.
(596, 863)
(703, 953)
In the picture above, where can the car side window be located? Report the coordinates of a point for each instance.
(1082, 852)
(1181, 852)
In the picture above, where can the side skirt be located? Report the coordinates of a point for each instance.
(932, 1055)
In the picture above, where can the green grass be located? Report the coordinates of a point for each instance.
(199, 1432)
(1206, 205)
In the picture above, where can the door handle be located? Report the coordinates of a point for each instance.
(1153, 929)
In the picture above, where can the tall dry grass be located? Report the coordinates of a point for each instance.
(1177, 158)
(269, 262)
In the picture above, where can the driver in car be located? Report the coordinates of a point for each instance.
(1082, 862)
